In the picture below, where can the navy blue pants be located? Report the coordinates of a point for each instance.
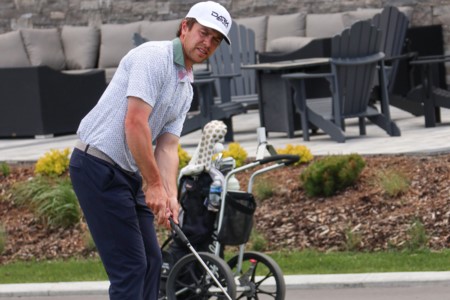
(121, 225)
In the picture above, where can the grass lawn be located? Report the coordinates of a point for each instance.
(305, 262)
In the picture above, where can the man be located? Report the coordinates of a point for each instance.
(122, 182)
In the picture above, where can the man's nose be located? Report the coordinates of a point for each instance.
(207, 41)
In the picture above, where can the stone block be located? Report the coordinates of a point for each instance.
(89, 5)
(57, 15)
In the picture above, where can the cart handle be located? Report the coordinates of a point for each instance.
(286, 159)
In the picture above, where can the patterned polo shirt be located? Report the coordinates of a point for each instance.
(154, 72)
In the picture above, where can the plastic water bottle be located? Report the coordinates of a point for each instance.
(215, 191)
(233, 184)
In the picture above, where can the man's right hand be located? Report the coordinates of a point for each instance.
(156, 199)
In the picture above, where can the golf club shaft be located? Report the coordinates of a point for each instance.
(185, 240)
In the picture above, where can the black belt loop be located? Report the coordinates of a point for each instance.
(87, 148)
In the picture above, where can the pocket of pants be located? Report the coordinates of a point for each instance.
(97, 172)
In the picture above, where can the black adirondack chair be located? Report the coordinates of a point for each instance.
(233, 83)
(432, 96)
(356, 59)
(423, 89)
(393, 25)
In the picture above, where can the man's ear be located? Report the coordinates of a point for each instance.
(184, 26)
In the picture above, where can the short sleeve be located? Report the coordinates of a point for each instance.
(176, 126)
(145, 71)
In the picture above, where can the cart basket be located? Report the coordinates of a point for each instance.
(237, 221)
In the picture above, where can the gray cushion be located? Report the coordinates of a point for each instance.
(44, 47)
(160, 30)
(285, 25)
(81, 45)
(288, 43)
(116, 41)
(324, 25)
(109, 73)
(259, 26)
(12, 51)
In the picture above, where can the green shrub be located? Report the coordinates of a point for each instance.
(257, 241)
(394, 183)
(52, 200)
(3, 238)
(5, 169)
(53, 163)
(236, 151)
(417, 237)
(88, 241)
(300, 150)
(352, 240)
(263, 189)
(330, 174)
(183, 157)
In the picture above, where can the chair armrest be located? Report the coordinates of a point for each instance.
(358, 61)
(226, 76)
(203, 81)
(405, 56)
(202, 74)
(439, 56)
(430, 60)
(306, 75)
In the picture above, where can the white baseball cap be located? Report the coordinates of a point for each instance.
(213, 15)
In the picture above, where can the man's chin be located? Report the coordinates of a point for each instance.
(200, 60)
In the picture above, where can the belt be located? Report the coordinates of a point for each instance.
(94, 152)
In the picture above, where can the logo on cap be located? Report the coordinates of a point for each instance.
(221, 19)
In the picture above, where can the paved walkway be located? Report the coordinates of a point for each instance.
(293, 281)
(415, 138)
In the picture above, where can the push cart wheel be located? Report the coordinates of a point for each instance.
(189, 280)
(260, 277)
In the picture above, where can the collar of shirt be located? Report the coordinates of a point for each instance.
(178, 58)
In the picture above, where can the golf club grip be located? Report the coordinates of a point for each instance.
(178, 231)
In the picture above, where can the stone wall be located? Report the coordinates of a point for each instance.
(16, 14)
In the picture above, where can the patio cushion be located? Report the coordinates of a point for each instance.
(290, 25)
(44, 47)
(259, 26)
(12, 51)
(288, 43)
(160, 30)
(80, 46)
(324, 25)
(116, 41)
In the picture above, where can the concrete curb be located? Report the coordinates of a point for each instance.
(394, 279)
(292, 281)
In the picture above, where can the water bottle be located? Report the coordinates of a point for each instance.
(233, 184)
(215, 191)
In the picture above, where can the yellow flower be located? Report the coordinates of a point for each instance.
(53, 163)
(236, 151)
(300, 150)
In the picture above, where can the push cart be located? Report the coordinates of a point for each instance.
(202, 272)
